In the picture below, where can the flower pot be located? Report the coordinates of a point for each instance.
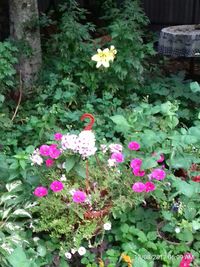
(97, 214)
(167, 239)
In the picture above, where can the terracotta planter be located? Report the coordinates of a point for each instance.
(97, 214)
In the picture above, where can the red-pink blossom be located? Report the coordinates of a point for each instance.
(118, 157)
(54, 153)
(44, 150)
(138, 172)
(40, 191)
(56, 186)
(134, 145)
(136, 163)
(186, 260)
(49, 162)
(79, 196)
(138, 187)
(58, 136)
(158, 174)
(149, 186)
(161, 157)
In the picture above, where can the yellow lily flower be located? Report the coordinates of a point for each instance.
(103, 57)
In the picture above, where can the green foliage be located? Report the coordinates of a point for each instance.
(7, 61)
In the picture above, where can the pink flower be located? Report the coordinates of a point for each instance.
(56, 186)
(138, 187)
(161, 157)
(136, 163)
(44, 150)
(118, 157)
(49, 162)
(158, 174)
(134, 145)
(40, 191)
(58, 136)
(186, 260)
(149, 186)
(54, 153)
(138, 172)
(79, 196)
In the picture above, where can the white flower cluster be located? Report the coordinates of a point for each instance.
(81, 251)
(84, 143)
(36, 158)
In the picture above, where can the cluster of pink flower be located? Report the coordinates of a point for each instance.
(84, 143)
(78, 196)
(42, 191)
(136, 164)
(186, 260)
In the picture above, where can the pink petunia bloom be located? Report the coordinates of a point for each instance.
(138, 187)
(44, 150)
(56, 186)
(119, 157)
(149, 186)
(158, 174)
(186, 260)
(40, 191)
(136, 163)
(161, 157)
(137, 172)
(54, 153)
(49, 162)
(79, 196)
(58, 136)
(134, 145)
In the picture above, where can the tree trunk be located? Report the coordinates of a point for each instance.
(24, 28)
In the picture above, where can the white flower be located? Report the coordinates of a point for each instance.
(68, 141)
(86, 144)
(72, 191)
(35, 239)
(73, 250)
(112, 163)
(107, 226)
(36, 158)
(103, 148)
(115, 148)
(63, 178)
(177, 230)
(81, 251)
(68, 255)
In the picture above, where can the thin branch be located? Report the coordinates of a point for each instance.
(20, 96)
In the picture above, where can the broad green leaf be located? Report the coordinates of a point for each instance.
(195, 87)
(195, 225)
(122, 124)
(22, 213)
(148, 163)
(69, 163)
(80, 170)
(18, 258)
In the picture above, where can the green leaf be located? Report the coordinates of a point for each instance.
(69, 163)
(195, 87)
(80, 170)
(122, 124)
(195, 225)
(148, 163)
(41, 250)
(22, 213)
(18, 258)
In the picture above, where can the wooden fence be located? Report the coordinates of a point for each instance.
(172, 12)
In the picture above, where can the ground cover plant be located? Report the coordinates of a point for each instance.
(122, 193)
